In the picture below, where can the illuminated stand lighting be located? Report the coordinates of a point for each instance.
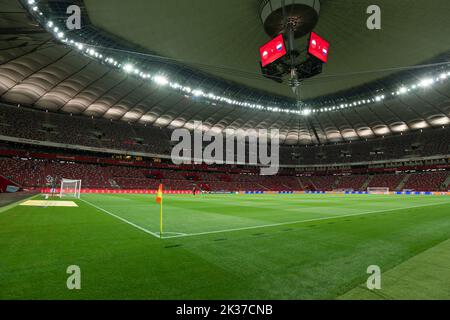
(163, 80)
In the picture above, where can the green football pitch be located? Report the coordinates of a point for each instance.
(228, 247)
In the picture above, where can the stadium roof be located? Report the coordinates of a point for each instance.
(169, 63)
(229, 33)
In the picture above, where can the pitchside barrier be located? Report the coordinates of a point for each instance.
(120, 191)
(141, 191)
(412, 193)
(417, 193)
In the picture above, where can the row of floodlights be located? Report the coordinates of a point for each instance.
(163, 80)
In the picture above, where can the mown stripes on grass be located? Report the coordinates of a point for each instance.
(322, 259)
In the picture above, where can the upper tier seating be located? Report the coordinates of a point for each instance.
(119, 135)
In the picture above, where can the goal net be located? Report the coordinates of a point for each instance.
(378, 190)
(70, 188)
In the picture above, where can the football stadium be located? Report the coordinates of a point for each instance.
(255, 150)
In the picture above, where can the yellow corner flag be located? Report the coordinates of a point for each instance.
(159, 199)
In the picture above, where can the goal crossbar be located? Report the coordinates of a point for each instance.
(378, 190)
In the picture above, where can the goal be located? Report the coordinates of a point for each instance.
(70, 188)
(378, 190)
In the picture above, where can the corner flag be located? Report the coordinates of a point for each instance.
(159, 195)
(159, 199)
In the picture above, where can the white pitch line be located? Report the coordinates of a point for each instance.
(300, 221)
(123, 220)
(176, 233)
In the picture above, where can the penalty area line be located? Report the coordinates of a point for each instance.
(124, 220)
(301, 221)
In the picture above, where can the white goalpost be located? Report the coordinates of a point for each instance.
(70, 188)
(378, 190)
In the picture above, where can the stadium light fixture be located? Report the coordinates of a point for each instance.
(306, 112)
(128, 68)
(403, 90)
(426, 82)
(197, 93)
(161, 80)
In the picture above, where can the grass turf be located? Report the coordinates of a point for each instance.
(216, 246)
(424, 277)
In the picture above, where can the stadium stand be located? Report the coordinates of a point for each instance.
(36, 173)
(414, 144)
(39, 127)
(81, 131)
(391, 181)
(426, 181)
(316, 183)
(20, 122)
(354, 182)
